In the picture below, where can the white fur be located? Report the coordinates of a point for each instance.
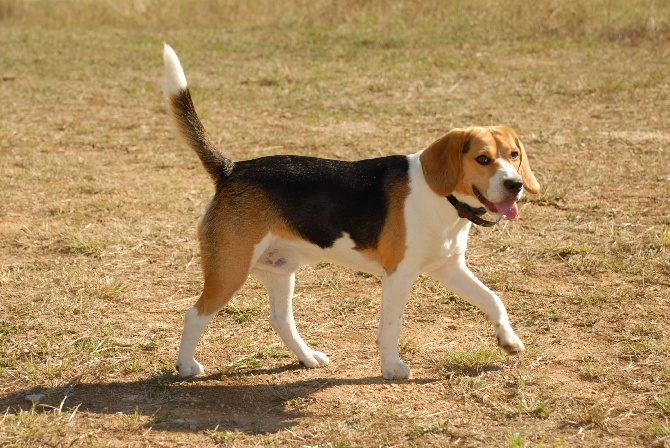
(456, 277)
(436, 243)
(194, 325)
(287, 255)
(506, 171)
(395, 291)
(280, 289)
(175, 80)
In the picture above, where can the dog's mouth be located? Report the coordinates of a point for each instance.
(507, 209)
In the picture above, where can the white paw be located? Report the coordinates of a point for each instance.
(189, 368)
(314, 359)
(509, 341)
(397, 370)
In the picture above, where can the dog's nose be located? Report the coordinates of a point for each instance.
(513, 185)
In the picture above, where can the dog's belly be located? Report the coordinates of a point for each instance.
(287, 255)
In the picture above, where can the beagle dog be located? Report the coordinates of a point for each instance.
(396, 216)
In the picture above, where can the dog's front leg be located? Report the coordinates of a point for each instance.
(456, 277)
(395, 290)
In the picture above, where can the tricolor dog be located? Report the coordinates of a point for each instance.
(396, 216)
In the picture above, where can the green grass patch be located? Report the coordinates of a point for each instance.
(663, 405)
(472, 362)
(659, 429)
(592, 297)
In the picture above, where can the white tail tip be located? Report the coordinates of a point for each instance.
(174, 81)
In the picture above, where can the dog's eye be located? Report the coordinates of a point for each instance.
(483, 160)
(514, 155)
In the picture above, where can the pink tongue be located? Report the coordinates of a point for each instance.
(508, 209)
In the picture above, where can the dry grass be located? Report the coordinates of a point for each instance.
(483, 19)
(98, 207)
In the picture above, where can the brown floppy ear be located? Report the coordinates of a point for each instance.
(530, 184)
(442, 161)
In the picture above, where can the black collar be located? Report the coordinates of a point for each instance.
(471, 213)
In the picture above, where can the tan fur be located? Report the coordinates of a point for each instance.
(448, 170)
(243, 226)
(240, 216)
(441, 161)
(482, 143)
(507, 139)
(392, 244)
(530, 183)
(236, 221)
(393, 239)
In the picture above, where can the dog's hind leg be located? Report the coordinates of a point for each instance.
(194, 326)
(225, 272)
(215, 295)
(280, 289)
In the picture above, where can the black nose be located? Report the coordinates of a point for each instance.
(513, 185)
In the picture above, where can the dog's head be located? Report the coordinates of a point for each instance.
(487, 163)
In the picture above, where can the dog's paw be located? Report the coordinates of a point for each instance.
(187, 369)
(314, 359)
(395, 370)
(509, 341)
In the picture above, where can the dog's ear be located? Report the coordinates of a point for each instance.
(442, 161)
(530, 184)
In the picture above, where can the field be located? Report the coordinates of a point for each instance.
(99, 205)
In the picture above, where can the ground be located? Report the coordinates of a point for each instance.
(99, 259)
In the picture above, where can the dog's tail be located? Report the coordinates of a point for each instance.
(188, 124)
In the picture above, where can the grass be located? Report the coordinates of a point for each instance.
(590, 417)
(434, 428)
(471, 362)
(99, 205)
(78, 244)
(663, 405)
(134, 420)
(593, 372)
(538, 407)
(28, 427)
(592, 297)
(516, 440)
(519, 20)
(659, 429)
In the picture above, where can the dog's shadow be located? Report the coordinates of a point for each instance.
(165, 402)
